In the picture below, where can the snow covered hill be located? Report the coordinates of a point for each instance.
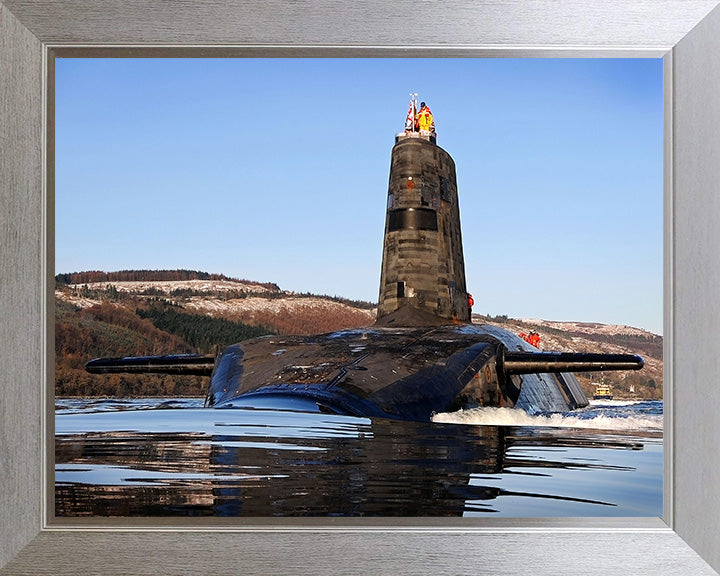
(287, 312)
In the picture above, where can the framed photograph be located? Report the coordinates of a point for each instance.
(246, 167)
(683, 34)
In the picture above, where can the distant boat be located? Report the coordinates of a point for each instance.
(602, 392)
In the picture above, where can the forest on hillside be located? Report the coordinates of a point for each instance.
(94, 276)
(127, 325)
(104, 321)
(113, 331)
(203, 333)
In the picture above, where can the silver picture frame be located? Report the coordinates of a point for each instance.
(685, 33)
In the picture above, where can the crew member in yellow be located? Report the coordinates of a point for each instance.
(424, 119)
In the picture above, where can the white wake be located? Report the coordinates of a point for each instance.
(516, 417)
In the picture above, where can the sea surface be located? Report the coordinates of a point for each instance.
(172, 457)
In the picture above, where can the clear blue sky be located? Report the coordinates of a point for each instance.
(276, 170)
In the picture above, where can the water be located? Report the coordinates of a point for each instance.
(159, 457)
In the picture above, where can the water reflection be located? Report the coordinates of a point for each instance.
(268, 463)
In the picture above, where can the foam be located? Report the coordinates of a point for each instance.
(516, 417)
(615, 402)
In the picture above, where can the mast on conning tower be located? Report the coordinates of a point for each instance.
(410, 120)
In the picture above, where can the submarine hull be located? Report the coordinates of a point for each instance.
(407, 373)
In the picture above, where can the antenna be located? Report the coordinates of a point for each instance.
(410, 120)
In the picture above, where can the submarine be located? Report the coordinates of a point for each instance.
(423, 355)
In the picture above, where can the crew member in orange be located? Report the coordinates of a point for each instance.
(532, 338)
(471, 302)
(424, 119)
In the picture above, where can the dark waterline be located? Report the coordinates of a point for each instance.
(175, 458)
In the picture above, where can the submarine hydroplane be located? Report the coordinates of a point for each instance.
(423, 355)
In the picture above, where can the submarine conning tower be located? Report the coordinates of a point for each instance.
(423, 271)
